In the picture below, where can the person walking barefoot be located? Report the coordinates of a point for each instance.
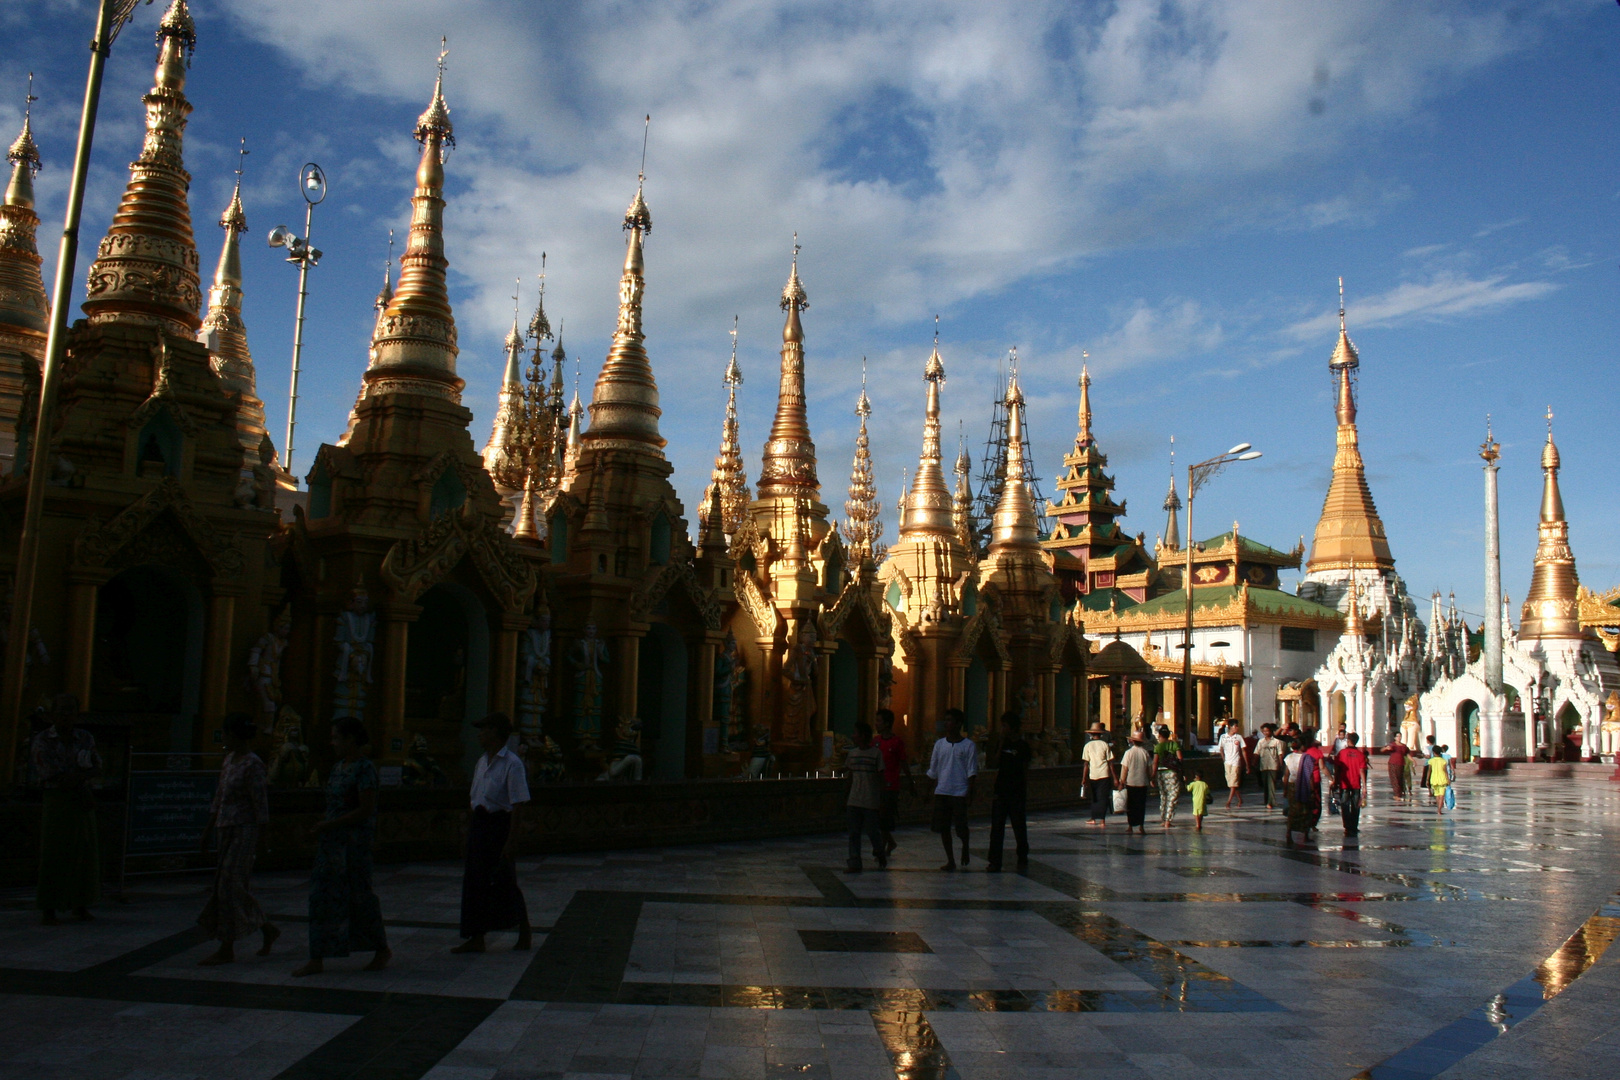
(241, 808)
(954, 764)
(490, 897)
(344, 913)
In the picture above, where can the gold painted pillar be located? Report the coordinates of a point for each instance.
(81, 636)
(1137, 707)
(1048, 692)
(767, 692)
(397, 618)
(823, 712)
(956, 690)
(503, 668)
(869, 689)
(216, 666)
(1206, 729)
(629, 675)
(703, 703)
(998, 698)
(1105, 704)
(1238, 714)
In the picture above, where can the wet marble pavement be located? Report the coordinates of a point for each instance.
(1476, 945)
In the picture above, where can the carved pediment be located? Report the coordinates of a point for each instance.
(760, 611)
(414, 565)
(984, 621)
(657, 586)
(856, 601)
(161, 527)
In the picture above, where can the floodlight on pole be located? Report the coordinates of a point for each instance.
(312, 186)
(1197, 476)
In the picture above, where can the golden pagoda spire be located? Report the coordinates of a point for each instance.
(145, 269)
(24, 308)
(559, 410)
(789, 461)
(962, 500)
(576, 412)
(624, 405)
(1084, 438)
(928, 505)
(862, 524)
(1551, 608)
(1349, 529)
(711, 522)
(385, 295)
(1354, 628)
(415, 350)
(526, 528)
(1172, 506)
(730, 477)
(223, 330)
(1012, 527)
(504, 434)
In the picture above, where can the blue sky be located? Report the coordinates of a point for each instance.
(1173, 187)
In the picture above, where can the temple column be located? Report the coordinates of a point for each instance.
(703, 704)
(998, 698)
(1105, 704)
(956, 686)
(1171, 689)
(1137, 708)
(81, 635)
(503, 668)
(1048, 685)
(869, 689)
(397, 618)
(768, 692)
(1238, 711)
(629, 679)
(820, 725)
(216, 663)
(1206, 727)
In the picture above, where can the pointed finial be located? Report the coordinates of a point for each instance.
(436, 120)
(1085, 438)
(241, 159)
(558, 356)
(539, 325)
(1490, 449)
(1341, 304)
(1549, 421)
(793, 294)
(1012, 361)
(1172, 457)
(936, 330)
(863, 404)
(23, 152)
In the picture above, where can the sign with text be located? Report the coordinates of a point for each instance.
(168, 811)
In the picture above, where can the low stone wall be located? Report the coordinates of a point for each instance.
(418, 824)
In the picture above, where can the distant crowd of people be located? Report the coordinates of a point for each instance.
(1296, 773)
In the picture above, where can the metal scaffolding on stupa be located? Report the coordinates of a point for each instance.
(993, 467)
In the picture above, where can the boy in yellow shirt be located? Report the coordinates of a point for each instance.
(1199, 788)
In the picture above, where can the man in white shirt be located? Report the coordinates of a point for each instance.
(490, 897)
(954, 764)
(1234, 754)
(1098, 757)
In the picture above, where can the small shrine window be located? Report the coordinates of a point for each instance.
(658, 540)
(449, 493)
(1297, 639)
(158, 448)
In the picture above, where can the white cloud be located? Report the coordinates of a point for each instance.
(1442, 296)
(926, 153)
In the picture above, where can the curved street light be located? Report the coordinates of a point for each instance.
(1197, 476)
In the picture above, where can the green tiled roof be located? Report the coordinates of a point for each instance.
(1262, 601)
(1246, 546)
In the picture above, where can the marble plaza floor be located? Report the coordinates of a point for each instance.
(1470, 946)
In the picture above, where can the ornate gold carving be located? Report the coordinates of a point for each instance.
(657, 586)
(414, 565)
(120, 541)
(766, 619)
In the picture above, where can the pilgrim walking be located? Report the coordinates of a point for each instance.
(490, 897)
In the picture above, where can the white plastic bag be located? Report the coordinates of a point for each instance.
(1119, 800)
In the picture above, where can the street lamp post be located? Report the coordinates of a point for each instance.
(1197, 476)
(111, 15)
(312, 186)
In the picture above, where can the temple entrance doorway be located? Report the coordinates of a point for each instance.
(976, 695)
(1467, 748)
(661, 700)
(843, 691)
(447, 676)
(1570, 736)
(148, 656)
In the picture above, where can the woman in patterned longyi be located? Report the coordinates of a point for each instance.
(344, 913)
(241, 808)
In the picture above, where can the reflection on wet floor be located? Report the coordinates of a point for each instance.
(1438, 1052)
(912, 1046)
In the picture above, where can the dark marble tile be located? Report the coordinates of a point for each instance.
(864, 941)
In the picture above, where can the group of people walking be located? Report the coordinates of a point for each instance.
(345, 914)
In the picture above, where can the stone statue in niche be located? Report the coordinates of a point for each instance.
(420, 769)
(762, 762)
(626, 754)
(534, 676)
(1411, 730)
(588, 658)
(545, 762)
(799, 668)
(290, 768)
(885, 681)
(1609, 730)
(356, 647)
(264, 666)
(737, 717)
